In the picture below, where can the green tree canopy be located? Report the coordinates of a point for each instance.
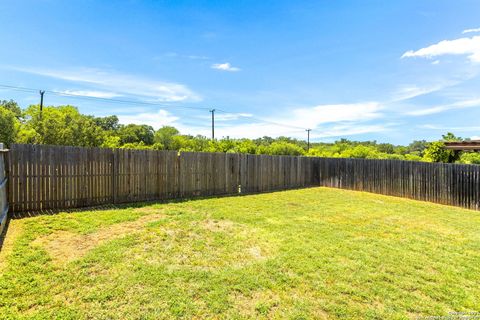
(8, 126)
(12, 106)
(284, 148)
(165, 135)
(136, 133)
(109, 123)
(62, 125)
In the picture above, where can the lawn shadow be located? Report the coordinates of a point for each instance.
(140, 204)
(3, 234)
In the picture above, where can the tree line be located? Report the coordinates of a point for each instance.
(65, 125)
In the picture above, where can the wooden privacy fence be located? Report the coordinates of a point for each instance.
(3, 189)
(452, 184)
(57, 177)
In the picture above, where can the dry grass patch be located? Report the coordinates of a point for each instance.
(203, 245)
(217, 225)
(66, 246)
(305, 254)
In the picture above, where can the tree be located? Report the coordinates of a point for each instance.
(109, 123)
(136, 145)
(436, 152)
(12, 106)
(246, 146)
(62, 125)
(165, 135)
(417, 146)
(361, 151)
(284, 148)
(450, 137)
(111, 141)
(135, 133)
(469, 158)
(386, 147)
(8, 126)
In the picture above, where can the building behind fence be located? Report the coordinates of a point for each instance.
(57, 177)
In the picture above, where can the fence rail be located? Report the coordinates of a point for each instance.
(58, 177)
(444, 183)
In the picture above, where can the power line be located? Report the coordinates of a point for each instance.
(79, 96)
(123, 101)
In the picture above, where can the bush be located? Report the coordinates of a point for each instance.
(284, 148)
(361, 151)
(469, 158)
(436, 152)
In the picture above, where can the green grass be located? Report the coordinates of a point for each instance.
(313, 253)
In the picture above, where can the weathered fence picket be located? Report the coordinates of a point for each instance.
(57, 177)
(443, 183)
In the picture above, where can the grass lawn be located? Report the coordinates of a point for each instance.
(304, 254)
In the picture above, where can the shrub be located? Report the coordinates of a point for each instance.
(469, 158)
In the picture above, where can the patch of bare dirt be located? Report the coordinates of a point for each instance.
(217, 225)
(65, 246)
(256, 253)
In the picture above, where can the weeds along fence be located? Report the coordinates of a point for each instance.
(58, 177)
(444, 183)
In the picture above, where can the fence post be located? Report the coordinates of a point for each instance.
(114, 175)
(3, 189)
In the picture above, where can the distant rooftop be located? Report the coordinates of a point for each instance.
(473, 145)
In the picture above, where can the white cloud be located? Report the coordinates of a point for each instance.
(451, 128)
(313, 117)
(159, 91)
(461, 46)
(331, 120)
(256, 130)
(90, 93)
(225, 67)
(341, 120)
(407, 92)
(231, 116)
(457, 105)
(471, 30)
(154, 119)
(349, 130)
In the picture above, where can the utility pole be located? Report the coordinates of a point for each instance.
(42, 92)
(308, 138)
(213, 123)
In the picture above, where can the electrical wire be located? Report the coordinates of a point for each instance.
(79, 96)
(132, 102)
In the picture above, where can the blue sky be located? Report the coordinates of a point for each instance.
(393, 71)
